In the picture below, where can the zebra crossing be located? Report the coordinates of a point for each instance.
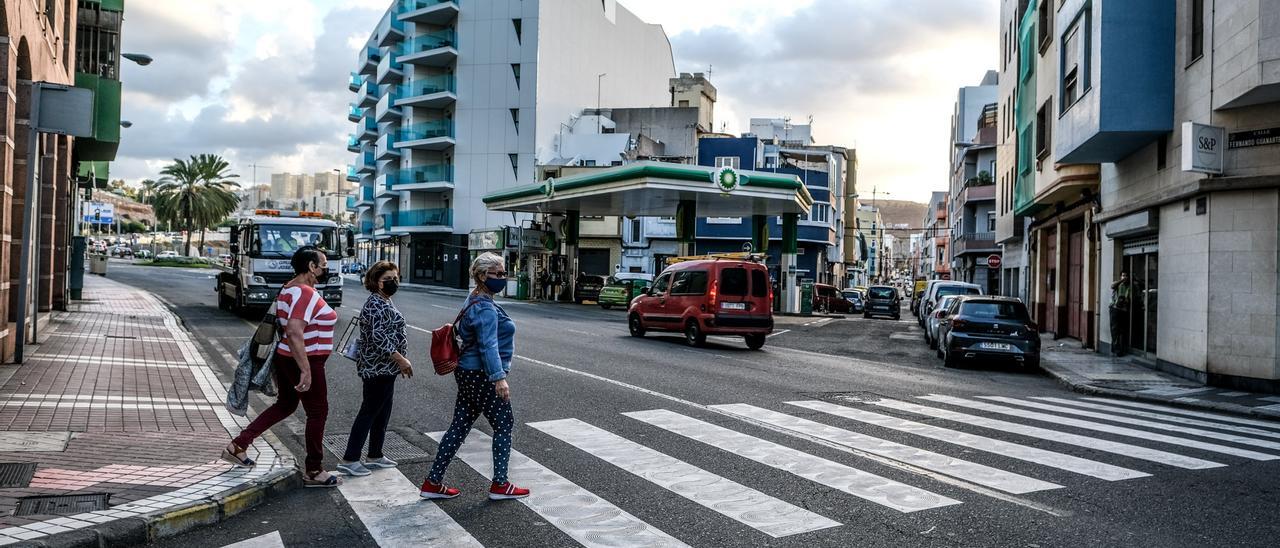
(1056, 442)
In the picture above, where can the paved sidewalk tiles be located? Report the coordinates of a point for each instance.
(117, 400)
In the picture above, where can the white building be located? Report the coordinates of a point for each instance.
(458, 99)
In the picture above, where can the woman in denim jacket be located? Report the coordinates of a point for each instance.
(488, 337)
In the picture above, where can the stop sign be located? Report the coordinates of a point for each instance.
(993, 261)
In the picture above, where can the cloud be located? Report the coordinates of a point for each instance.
(190, 46)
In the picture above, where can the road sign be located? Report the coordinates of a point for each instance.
(993, 261)
(101, 213)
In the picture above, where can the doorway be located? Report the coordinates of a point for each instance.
(1142, 262)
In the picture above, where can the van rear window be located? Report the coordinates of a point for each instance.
(759, 284)
(733, 281)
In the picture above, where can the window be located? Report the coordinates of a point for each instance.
(1196, 48)
(991, 222)
(729, 161)
(821, 213)
(996, 311)
(684, 103)
(660, 285)
(515, 164)
(1044, 27)
(517, 24)
(691, 282)
(515, 118)
(515, 70)
(97, 41)
(635, 230)
(1074, 61)
(1162, 152)
(759, 284)
(733, 282)
(1043, 129)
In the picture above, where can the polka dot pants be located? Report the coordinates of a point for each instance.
(476, 396)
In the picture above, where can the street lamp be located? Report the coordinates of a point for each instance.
(141, 59)
(126, 124)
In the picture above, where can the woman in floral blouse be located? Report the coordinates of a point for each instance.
(381, 358)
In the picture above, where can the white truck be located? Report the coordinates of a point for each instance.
(261, 247)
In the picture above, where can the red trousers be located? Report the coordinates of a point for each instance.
(315, 402)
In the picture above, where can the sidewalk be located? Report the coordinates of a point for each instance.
(113, 428)
(1090, 372)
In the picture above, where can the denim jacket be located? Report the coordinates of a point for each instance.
(488, 338)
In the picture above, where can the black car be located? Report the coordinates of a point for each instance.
(587, 288)
(991, 328)
(882, 300)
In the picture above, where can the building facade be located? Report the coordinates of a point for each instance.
(972, 185)
(935, 261)
(456, 100)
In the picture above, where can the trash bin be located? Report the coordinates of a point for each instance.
(98, 264)
(522, 286)
(75, 278)
(806, 298)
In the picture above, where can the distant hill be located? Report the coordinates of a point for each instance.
(901, 213)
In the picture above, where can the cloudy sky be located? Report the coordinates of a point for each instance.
(263, 82)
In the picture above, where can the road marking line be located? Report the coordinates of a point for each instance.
(743, 504)
(1135, 451)
(1158, 416)
(1175, 391)
(269, 540)
(1089, 425)
(861, 484)
(1235, 394)
(416, 328)
(1140, 422)
(1187, 412)
(588, 519)
(994, 478)
(776, 333)
(1035, 455)
(390, 508)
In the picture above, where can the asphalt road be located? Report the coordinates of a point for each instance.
(578, 362)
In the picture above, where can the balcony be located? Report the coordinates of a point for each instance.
(362, 197)
(983, 193)
(436, 177)
(366, 228)
(390, 70)
(386, 110)
(353, 143)
(1129, 48)
(366, 163)
(369, 57)
(430, 92)
(385, 148)
(384, 185)
(368, 128)
(367, 95)
(437, 12)
(354, 113)
(351, 203)
(975, 242)
(432, 135)
(433, 49)
(355, 82)
(353, 174)
(390, 31)
(422, 220)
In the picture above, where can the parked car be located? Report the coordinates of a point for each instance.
(855, 300)
(167, 255)
(620, 288)
(826, 298)
(991, 328)
(917, 291)
(935, 319)
(707, 297)
(587, 288)
(941, 288)
(882, 300)
(143, 254)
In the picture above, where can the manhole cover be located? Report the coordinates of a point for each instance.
(16, 474)
(62, 505)
(394, 447)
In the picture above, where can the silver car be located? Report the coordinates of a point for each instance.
(932, 322)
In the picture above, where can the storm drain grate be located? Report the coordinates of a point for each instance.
(62, 505)
(394, 447)
(16, 474)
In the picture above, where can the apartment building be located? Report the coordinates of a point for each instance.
(935, 259)
(972, 193)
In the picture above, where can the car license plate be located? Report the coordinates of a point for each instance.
(734, 306)
(995, 346)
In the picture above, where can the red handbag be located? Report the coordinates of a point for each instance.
(446, 345)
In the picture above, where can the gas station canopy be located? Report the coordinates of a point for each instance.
(656, 189)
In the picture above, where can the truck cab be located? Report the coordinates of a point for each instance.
(262, 246)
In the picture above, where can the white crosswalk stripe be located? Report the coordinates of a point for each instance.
(586, 518)
(388, 504)
(269, 540)
(1021, 452)
(994, 478)
(1129, 450)
(1187, 412)
(858, 483)
(1159, 416)
(762, 512)
(1100, 427)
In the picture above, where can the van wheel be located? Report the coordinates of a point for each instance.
(634, 325)
(693, 334)
(755, 342)
(606, 306)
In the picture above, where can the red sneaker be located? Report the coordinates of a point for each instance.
(437, 491)
(503, 491)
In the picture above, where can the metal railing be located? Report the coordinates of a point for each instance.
(425, 174)
(415, 5)
(423, 217)
(975, 241)
(427, 86)
(426, 130)
(429, 41)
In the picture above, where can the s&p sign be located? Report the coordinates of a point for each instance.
(1203, 148)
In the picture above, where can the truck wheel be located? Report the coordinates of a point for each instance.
(225, 302)
(755, 342)
(606, 306)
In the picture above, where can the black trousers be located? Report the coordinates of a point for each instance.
(1119, 331)
(371, 421)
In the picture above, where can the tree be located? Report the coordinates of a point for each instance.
(196, 193)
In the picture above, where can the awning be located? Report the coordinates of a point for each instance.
(656, 188)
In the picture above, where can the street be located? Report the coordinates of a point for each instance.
(841, 431)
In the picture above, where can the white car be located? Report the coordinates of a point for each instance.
(167, 255)
(938, 289)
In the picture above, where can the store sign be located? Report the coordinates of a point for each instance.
(726, 178)
(1254, 138)
(527, 239)
(485, 239)
(1203, 147)
(100, 213)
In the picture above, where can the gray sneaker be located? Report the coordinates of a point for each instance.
(383, 462)
(353, 469)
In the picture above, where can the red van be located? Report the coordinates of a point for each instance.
(707, 297)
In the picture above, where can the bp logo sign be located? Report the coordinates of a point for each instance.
(549, 189)
(726, 178)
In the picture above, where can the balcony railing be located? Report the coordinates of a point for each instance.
(427, 86)
(366, 194)
(415, 5)
(351, 202)
(425, 174)
(426, 130)
(429, 41)
(355, 81)
(975, 242)
(353, 142)
(366, 227)
(353, 174)
(354, 112)
(423, 217)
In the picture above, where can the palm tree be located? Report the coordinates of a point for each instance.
(196, 193)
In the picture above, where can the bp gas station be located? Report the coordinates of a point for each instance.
(655, 189)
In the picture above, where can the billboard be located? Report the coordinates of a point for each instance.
(101, 213)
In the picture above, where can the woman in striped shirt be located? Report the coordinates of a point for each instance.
(306, 339)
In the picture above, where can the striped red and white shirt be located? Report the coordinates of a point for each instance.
(302, 302)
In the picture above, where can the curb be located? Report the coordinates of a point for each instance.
(208, 511)
(1073, 382)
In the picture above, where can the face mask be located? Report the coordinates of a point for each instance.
(495, 284)
(323, 275)
(390, 287)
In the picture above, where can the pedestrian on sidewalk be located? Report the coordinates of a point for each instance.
(488, 343)
(383, 346)
(306, 339)
(1121, 291)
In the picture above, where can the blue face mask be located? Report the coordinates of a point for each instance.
(495, 285)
